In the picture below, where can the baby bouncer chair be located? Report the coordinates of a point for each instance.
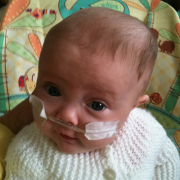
(25, 24)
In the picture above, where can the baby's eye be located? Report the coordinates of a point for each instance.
(53, 91)
(97, 106)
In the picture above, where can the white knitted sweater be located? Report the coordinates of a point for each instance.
(142, 151)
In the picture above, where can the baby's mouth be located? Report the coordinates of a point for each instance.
(67, 138)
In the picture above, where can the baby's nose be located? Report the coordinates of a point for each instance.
(69, 114)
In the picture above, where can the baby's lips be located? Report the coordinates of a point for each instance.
(70, 136)
(65, 131)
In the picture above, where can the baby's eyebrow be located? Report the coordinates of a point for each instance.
(109, 94)
(50, 76)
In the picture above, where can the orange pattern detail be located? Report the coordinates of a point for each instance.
(37, 13)
(155, 98)
(178, 28)
(14, 9)
(154, 4)
(177, 137)
(35, 43)
(134, 5)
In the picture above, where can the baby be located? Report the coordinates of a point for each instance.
(93, 70)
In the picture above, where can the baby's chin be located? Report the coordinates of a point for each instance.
(77, 147)
(72, 150)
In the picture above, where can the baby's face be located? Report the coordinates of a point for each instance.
(79, 88)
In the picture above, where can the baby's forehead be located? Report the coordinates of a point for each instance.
(78, 61)
(85, 58)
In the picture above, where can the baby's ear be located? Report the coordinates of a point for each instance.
(143, 99)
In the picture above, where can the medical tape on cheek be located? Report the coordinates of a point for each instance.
(101, 130)
(93, 130)
(38, 109)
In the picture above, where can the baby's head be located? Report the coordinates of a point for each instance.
(94, 67)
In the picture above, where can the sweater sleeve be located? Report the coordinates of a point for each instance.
(168, 163)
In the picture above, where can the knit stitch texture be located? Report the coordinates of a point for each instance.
(141, 151)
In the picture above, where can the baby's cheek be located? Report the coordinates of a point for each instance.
(46, 129)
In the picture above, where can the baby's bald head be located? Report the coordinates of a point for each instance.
(105, 31)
